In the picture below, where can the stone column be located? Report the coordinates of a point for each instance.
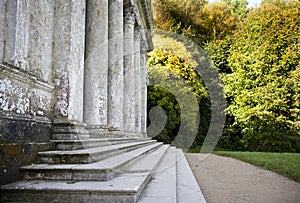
(96, 67)
(40, 39)
(144, 82)
(3, 28)
(138, 89)
(68, 68)
(115, 67)
(16, 39)
(129, 72)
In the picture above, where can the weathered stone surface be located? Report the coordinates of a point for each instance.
(137, 76)
(46, 39)
(63, 71)
(23, 93)
(98, 171)
(162, 188)
(27, 35)
(89, 155)
(129, 71)
(15, 155)
(69, 39)
(146, 20)
(88, 143)
(16, 128)
(96, 66)
(144, 83)
(40, 38)
(115, 65)
(188, 189)
(126, 187)
(17, 32)
(69, 130)
(3, 27)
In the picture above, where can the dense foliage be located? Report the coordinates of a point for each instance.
(260, 66)
(169, 72)
(197, 19)
(257, 53)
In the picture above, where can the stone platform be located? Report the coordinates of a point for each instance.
(117, 170)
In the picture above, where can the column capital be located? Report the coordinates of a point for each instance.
(130, 14)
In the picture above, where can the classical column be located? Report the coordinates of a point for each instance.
(137, 73)
(96, 67)
(129, 72)
(3, 28)
(144, 82)
(68, 69)
(14, 46)
(115, 67)
(40, 38)
(26, 33)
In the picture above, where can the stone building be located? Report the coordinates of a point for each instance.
(73, 85)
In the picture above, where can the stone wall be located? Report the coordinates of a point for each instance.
(70, 70)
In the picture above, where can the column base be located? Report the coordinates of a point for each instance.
(145, 135)
(97, 131)
(69, 130)
(131, 135)
(114, 133)
(135, 135)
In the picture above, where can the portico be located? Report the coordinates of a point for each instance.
(74, 69)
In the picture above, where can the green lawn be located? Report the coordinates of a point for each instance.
(286, 164)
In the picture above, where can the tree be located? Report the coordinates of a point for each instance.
(238, 7)
(195, 18)
(175, 15)
(217, 19)
(175, 72)
(264, 83)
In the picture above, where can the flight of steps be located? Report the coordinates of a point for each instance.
(106, 170)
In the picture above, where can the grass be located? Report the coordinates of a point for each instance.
(286, 164)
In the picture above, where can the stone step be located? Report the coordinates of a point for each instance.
(102, 170)
(188, 189)
(90, 143)
(162, 187)
(89, 155)
(71, 136)
(124, 188)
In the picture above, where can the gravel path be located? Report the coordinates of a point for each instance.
(228, 180)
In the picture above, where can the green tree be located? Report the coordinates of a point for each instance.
(219, 52)
(173, 15)
(173, 68)
(238, 7)
(195, 18)
(217, 19)
(264, 83)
